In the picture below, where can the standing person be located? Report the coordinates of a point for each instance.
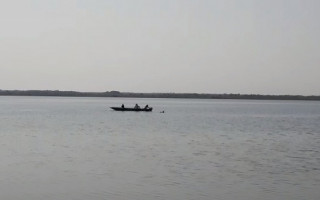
(122, 106)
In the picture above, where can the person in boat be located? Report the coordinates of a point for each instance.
(122, 106)
(136, 106)
(146, 107)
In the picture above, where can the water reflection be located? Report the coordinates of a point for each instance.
(77, 148)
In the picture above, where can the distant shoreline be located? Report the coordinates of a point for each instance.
(153, 95)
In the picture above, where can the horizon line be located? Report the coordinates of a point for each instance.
(178, 93)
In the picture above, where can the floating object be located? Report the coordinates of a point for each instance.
(148, 109)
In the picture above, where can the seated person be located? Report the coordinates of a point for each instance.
(146, 107)
(136, 106)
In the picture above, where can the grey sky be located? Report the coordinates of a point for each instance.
(205, 46)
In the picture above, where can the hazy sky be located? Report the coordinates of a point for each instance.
(204, 46)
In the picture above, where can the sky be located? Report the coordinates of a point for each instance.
(193, 46)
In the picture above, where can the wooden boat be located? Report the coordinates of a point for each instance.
(149, 109)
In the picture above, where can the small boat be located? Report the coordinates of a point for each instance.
(148, 109)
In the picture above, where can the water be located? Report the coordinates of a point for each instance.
(58, 148)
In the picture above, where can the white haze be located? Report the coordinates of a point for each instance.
(205, 46)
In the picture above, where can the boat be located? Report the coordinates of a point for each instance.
(148, 109)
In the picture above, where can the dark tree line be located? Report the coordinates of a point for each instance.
(153, 95)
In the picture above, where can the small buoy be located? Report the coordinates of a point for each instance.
(162, 111)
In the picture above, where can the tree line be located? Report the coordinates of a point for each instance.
(153, 95)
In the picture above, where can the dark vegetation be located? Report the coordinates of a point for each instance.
(152, 95)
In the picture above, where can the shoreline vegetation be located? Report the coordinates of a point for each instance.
(153, 95)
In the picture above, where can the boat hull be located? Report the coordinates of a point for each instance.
(132, 109)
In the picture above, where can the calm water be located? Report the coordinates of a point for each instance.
(78, 149)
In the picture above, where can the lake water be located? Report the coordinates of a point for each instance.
(57, 148)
